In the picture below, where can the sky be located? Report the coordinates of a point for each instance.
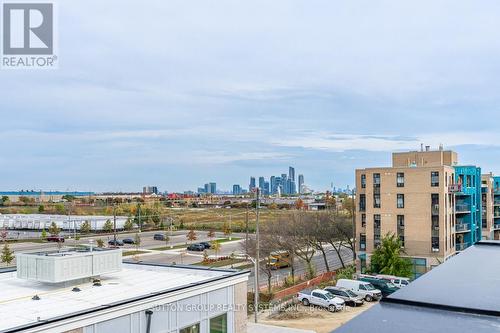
(180, 93)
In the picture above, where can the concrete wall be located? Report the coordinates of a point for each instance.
(424, 158)
(174, 316)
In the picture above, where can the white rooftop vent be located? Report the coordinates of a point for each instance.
(56, 267)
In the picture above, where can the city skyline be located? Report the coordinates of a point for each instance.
(323, 93)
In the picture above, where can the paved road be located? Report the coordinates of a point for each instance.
(182, 256)
(300, 267)
(147, 241)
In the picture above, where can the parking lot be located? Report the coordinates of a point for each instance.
(313, 318)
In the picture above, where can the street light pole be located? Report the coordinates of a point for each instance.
(114, 223)
(257, 255)
(256, 286)
(353, 227)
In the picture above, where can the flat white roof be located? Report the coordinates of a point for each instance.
(135, 280)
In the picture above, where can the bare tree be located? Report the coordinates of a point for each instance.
(299, 232)
(278, 231)
(266, 248)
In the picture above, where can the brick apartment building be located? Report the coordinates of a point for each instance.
(436, 207)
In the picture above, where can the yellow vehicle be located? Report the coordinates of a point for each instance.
(278, 260)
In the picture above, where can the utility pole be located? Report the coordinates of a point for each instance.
(171, 220)
(114, 223)
(246, 231)
(257, 255)
(353, 227)
(139, 210)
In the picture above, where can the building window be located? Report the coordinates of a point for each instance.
(362, 202)
(376, 201)
(435, 204)
(363, 220)
(435, 244)
(434, 178)
(376, 230)
(419, 267)
(191, 329)
(362, 242)
(401, 221)
(400, 179)
(376, 180)
(401, 201)
(363, 181)
(219, 324)
(469, 181)
(401, 229)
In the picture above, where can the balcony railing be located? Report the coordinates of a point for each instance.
(461, 246)
(462, 227)
(496, 226)
(496, 203)
(461, 208)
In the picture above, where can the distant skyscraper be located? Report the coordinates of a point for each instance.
(213, 188)
(207, 188)
(266, 189)
(301, 183)
(272, 185)
(251, 187)
(284, 182)
(261, 182)
(201, 190)
(279, 185)
(291, 173)
(236, 189)
(150, 190)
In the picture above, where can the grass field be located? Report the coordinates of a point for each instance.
(221, 263)
(197, 218)
(132, 253)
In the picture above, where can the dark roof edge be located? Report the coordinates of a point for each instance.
(488, 243)
(444, 307)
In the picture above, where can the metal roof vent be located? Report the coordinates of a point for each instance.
(35, 298)
(76, 289)
(70, 265)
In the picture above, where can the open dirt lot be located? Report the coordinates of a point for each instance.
(314, 318)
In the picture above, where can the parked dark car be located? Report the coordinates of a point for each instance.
(115, 242)
(57, 239)
(385, 287)
(206, 245)
(347, 295)
(160, 237)
(128, 241)
(196, 247)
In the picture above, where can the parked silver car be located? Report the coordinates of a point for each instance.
(349, 297)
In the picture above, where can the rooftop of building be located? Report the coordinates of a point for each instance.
(460, 295)
(136, 281)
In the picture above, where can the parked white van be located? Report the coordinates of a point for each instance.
(365, 289)
(395, 280)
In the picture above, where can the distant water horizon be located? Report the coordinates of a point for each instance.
(38, 193)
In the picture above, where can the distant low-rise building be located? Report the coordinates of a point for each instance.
(150, 190)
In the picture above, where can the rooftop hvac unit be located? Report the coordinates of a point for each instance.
(56, 267)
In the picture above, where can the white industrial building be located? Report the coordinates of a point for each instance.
(65, 222)
(92, 291)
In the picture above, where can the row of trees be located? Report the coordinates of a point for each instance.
(302, 235)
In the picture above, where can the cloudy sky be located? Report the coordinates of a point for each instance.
(179, 93)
